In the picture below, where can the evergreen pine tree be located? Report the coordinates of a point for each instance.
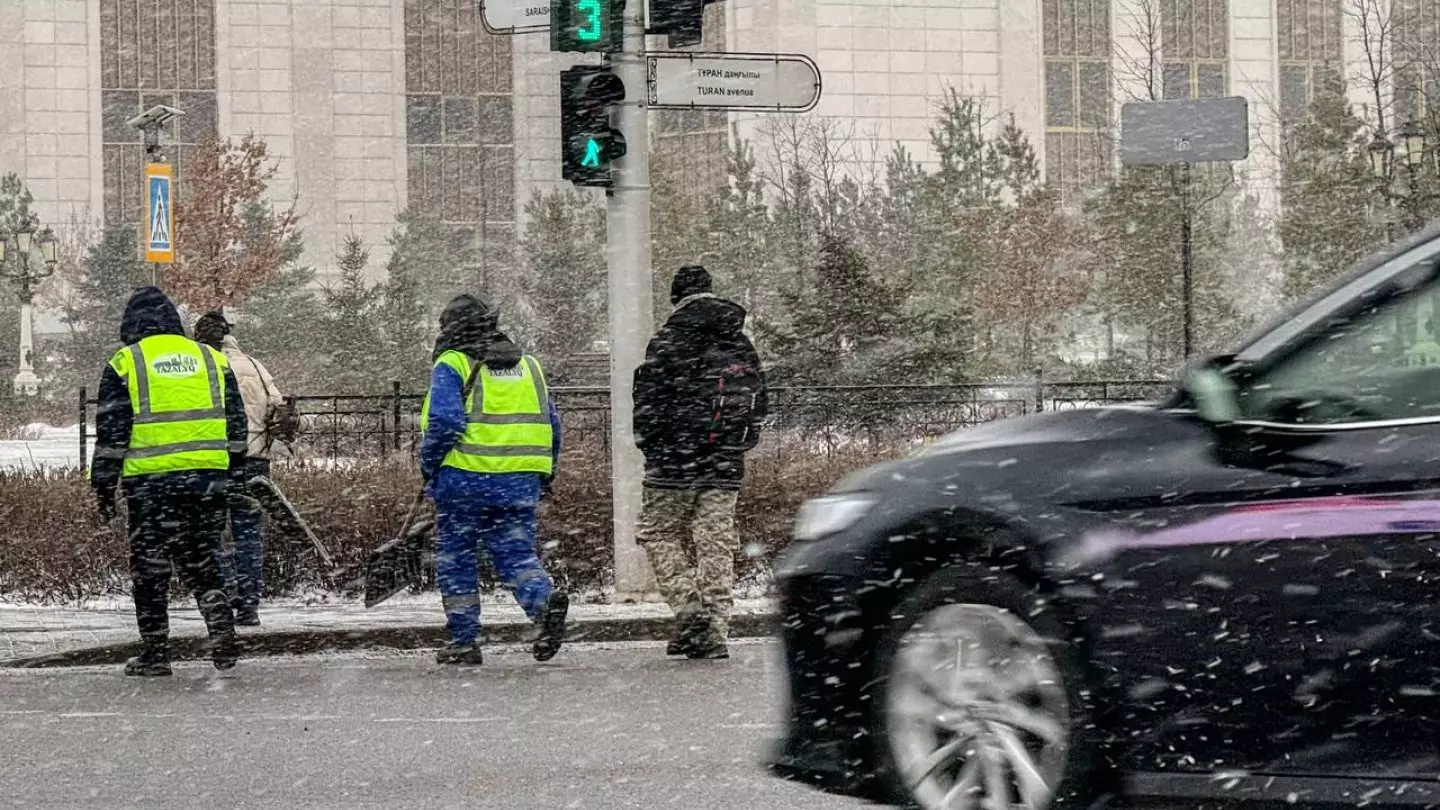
(842, 321)
(1332, 210)
(350, 323)
(280, 324)
(111, 271)
(404, 325)
(562, 289)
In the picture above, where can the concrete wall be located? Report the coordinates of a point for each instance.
(323, 82)
(50, 104)
(537, 116)
(1254, 74)
(885, 65)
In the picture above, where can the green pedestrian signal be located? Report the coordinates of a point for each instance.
(586, 26)
(592, 27)
(592, 154)
(588, 142)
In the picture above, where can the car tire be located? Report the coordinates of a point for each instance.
(982, 606)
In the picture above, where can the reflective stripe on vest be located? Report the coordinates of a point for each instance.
(178, 403)
(508, 426)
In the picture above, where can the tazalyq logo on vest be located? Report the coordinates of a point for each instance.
(175, 365)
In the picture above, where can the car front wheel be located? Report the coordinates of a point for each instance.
(980, 704)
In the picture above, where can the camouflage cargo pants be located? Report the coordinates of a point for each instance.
(690, 538)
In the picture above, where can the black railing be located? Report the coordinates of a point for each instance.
(368, 425)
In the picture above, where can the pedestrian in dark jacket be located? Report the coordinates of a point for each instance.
(700, 399)
(170, 436)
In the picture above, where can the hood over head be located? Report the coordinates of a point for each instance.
(469, 325)
(692, 279)
(466, 325)
(708, 315)
(149, 312)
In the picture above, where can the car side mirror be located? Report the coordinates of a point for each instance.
(1212, 391)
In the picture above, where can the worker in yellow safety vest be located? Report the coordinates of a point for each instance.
(492, 439)
(170, 436)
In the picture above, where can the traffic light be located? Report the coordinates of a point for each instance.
(588, 143)
(681, 19)
(586, 26)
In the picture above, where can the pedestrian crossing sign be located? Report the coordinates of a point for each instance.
(159, 213)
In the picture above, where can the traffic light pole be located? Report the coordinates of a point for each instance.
(631, 308)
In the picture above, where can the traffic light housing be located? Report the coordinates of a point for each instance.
(681, 19)
(588, 142)
(586, 26)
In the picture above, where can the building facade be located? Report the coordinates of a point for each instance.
(373, 106)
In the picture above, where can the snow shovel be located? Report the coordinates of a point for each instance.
(279, 508)
(398, 564)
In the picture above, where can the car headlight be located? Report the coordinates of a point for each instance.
(825, 516)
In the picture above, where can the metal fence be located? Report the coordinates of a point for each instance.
(353, 426)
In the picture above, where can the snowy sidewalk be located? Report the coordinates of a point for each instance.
(33, 631)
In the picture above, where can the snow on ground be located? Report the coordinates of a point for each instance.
(54, 448)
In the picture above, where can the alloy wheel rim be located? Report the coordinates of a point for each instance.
(976, 712)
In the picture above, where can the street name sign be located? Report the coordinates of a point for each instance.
(720, 81)
(159, 213)
(515, 16)
(1169, 133)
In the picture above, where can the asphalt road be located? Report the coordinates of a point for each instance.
(604, 728)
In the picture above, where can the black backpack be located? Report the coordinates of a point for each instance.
(734, 418)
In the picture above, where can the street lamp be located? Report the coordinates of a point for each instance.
(1414, 136)
(28, 278)
(1380, 151)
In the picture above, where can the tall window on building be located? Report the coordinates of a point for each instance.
(1077, 91)
(152, 52)
(692, 145)
(1195, 43)
(1416, 52)
(459, 123)
(1311, 41)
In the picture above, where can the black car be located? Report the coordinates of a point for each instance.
(1232, 594)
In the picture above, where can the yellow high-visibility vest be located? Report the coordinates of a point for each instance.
(508, 429)
(177, 396)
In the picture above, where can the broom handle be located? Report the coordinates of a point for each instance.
(420, 496)
(410, 516)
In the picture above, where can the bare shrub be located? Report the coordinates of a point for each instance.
(53, 549)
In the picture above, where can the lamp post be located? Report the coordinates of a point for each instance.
(1412, 136)
(1410, 146)
(1413, 145)
(27, 278)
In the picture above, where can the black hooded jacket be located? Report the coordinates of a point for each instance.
(149, 312)
(675, 390)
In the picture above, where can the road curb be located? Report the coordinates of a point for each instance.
(300, 642)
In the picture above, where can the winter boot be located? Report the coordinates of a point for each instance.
(708, 645)
(552, 626)
(692, 627)
(460, 654)
(247, 616)
(224, 651)
(220, 621)
(152, 662)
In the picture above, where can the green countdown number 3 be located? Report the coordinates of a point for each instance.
(590, 31)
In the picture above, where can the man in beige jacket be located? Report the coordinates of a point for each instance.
(244, 567)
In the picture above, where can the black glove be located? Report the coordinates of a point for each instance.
(240, 476)
(105, 505)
